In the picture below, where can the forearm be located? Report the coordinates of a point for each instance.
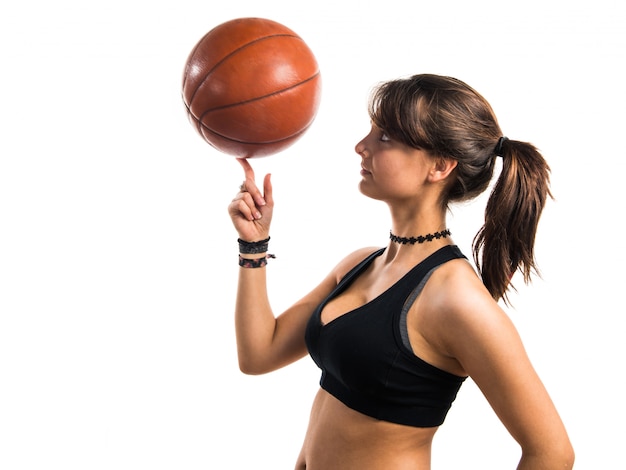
(255, 322)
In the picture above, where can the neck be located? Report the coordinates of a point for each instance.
(411, 248)
(419, 239)
(415, 217)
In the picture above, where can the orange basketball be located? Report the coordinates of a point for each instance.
(252, 87)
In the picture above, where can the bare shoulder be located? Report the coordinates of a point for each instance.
(467, 321)
(456, 289)
(333, 277)
(351, 260)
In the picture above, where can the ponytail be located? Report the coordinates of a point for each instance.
(506, 241)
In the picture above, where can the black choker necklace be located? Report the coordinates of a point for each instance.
(419, 239)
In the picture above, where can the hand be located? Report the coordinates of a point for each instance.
(251, 210)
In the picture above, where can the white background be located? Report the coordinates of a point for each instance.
(118, 261)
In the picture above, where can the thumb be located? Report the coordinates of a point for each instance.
(267, 189)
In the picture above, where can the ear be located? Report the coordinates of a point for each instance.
(441, 169)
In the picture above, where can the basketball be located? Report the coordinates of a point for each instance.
(252, 87)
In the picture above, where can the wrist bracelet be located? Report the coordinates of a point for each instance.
(254, 262)
(252, 248)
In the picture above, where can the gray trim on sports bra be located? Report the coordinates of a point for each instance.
(404, 329)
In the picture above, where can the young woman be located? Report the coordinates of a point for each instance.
(396, 330)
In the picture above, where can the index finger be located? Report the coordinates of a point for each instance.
(247, 168)
(250, 184)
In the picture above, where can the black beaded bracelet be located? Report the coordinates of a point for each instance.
(254, 262)
(252, 248)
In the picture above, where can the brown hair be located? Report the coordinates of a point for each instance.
(449, 119)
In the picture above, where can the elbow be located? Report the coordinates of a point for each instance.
(251, 367)
(557, 457)
(568, 456)
(563, 455)
(563, 460)
(247, 370)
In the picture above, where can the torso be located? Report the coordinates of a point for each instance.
(343, 439)
(340, 438)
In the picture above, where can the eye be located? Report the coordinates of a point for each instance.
(384, 137)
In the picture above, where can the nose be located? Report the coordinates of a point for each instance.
(360, 147)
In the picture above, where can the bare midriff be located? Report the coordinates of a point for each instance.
(340, 438)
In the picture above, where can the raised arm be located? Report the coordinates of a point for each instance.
(265, 342)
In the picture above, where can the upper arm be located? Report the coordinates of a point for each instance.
(483, 339)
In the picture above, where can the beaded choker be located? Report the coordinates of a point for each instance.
(419, 239)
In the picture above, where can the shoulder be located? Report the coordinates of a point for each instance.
(352, 260)
(458, 291)
(338, 272)
(465, 320)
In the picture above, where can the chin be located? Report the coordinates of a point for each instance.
(366, 191)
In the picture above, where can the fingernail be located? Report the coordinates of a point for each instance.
(257, 215)
(261, 201)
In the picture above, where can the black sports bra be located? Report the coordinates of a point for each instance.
(366, 358)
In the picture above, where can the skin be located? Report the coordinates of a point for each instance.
(454, 324)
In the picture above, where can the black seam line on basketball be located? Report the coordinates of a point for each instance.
(193, 52)
(240, 103)
(248, 44)
(300, 132)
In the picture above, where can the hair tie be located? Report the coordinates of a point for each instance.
(498, 150)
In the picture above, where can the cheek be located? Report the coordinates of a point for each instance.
(389, 181)
(395, 174)
(402, 182)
